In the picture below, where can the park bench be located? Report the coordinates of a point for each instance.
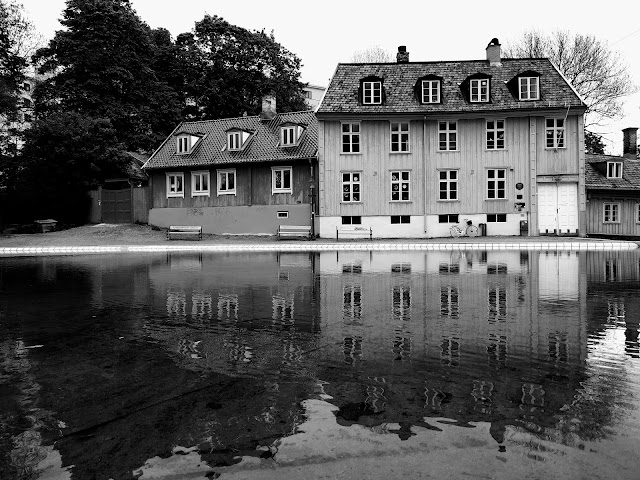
(294, 231)
(187, 231)
(353, 232)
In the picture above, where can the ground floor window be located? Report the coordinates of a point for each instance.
(175, 184)
(199, 184)
(400, 219)
(448, 184)
(227, 182)
(448, 218)
(400, 186)
(351, 186)
(281, 180)
(496, 217)
(611, 213)
(351, 220)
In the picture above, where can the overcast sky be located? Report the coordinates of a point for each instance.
(325, 32)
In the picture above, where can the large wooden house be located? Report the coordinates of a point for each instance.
(613, 191)
(407, 149)
(244, 175)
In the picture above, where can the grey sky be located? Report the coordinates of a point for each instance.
(327, 32)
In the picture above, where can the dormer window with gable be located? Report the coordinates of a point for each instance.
(185, 143)
(237, 140)
(529, 88)
(290, 135)
(614, 169)
(479, 90)
(371, 91)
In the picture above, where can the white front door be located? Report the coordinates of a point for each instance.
(558, 208)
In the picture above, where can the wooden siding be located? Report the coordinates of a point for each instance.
(561, 161)
(140, 204)
(628, 224)
(253, 187)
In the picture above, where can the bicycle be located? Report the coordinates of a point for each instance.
(470, 230)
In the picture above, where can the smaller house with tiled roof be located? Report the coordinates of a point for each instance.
(613, 191)
(244, 175)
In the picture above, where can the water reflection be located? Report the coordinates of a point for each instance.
(135, 355)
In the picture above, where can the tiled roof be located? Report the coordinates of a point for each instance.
(399, 80)
(263, 147)
(596, 177)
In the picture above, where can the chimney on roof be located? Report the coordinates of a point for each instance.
(493, 53)
(630, 143)
(402, 56)
(268, 107)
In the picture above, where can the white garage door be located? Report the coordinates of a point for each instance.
(558, 208)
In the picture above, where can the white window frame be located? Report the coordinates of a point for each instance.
(350, 133)
(290, 135)
(400, 137)
(234, 141)
(225, 173)
(527, 85)
(610, 212)
(372, 92)
(447, 182)
(430, 90)
(496, 184)
(558, 132)
(402, 179)
(351, 183)
(175, 193)
(449, 133)
(479, 84)
(497, 133)
(614, 169)
(183, 144)
(281, 188)
(200, 192)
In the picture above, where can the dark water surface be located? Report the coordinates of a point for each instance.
(127, 366)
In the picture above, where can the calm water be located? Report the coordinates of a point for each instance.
(122, 366)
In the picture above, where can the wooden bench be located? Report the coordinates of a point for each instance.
(294, 231)
(354, 232)
(184, 231)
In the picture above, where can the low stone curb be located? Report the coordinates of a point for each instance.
(316, 247)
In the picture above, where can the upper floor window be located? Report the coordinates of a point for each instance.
(289, 135)
(529, 88)
(611, 213)
(431, 91)
(479, 88)
(495, 134)
(614, 169)
(400, 186)
(496, 183)
(372, 93)
(175, 184)
(200, 184)
(227, 182)
(555, 132)
(400, 137)
(351, 137)
(281, 180)
(448, 184)
(447, 136)
(351, 184)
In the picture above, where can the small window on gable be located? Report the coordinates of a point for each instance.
(290, 135)
(371, 91)
(614, 169)
(237, 140)
(186, 142)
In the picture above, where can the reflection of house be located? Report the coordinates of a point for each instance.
(613, 190)
(409, 148)
(313, 95)
(244, 175)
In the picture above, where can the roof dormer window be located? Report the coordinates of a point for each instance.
(614, 169)
(185, 143)
(371, 91)
(290, 135)
(479, 90)
(237, 140)
(528, 88)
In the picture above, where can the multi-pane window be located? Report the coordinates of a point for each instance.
(400, 186)
(199, 184)
(431, 91)
(495, 134)
(400, 137)
(480, 90)
(281, 180)
(183, 144)
(555, 132)
(288, 135)
(529, 88)
(496, 183)
(496, 217)
(227, 182)
(371, 93)
(175, 185)
(351, 183)
(448, 184)
(614, 169)
(447, 136)
(611, 213)
(351, 137)
(234, 140)
(448, 218)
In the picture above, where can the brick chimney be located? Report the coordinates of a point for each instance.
(402, 56)
(630, 143)
(268, 107)
(493, 53)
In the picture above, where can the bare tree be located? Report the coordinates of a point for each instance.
(374, 54)
(596, 72)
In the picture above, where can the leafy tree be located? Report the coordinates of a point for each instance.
(593, 143)
(102, 67)
(227, 70)
(374, 54)
(12, 63)
(594, 70)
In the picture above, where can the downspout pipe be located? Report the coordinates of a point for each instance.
(424, 172)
